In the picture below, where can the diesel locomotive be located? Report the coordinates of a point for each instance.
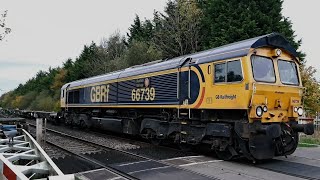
(241, 99)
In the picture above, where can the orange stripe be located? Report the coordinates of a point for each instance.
(201, 99)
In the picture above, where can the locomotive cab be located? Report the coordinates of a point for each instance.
(275, 103)
(276, 87)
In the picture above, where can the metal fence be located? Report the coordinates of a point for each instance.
(317, 124)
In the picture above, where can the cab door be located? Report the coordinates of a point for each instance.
(228, 89)
(189, 86)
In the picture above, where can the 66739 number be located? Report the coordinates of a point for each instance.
(143, 94)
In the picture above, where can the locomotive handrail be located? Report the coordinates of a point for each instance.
(253, 92)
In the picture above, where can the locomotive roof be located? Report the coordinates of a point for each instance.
(228, 51)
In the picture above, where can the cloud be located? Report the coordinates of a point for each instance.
(13, 73)
(46, 33)
(301, 15)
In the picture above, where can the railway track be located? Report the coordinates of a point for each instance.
(85, 150)
(115, 160)
(272, 165)
(136, 146)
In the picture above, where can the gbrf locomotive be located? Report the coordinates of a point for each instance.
(241, 99)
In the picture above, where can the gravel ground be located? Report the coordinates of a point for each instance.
(72, 145)
(52, 151)
(105, 140)
(112, 141)
(79, 147)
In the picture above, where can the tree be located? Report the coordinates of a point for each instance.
(140, 52)
(114, 45)
(68, 66)
(108, 56)
(59, 79)
(140, 31)
(7, 99)
(80, 69)
(27, 99)
(311, 97)
(230, 21)
(4, 30)
(177, 32)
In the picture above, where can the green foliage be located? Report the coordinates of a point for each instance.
(311, 97)
(140, 31)
(108, 56)
(177, 32)
(7, 99)
(79, 69)
(43, 102)
(230, 21)
(27, 99)
(307, 145)
(141, 52)
(310, 141)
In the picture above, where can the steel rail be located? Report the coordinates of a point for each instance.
(87, 159)
(91, 160)
(129, 153)
(140, 141)
(147, 158)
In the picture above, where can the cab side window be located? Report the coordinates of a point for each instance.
(230, 71)
(234, 72)
(220, 73)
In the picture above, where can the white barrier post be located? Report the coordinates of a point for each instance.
(39, 131)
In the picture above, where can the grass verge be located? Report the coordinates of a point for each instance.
(310, 141)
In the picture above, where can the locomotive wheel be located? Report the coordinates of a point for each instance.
(83, 125)
(291, 143)
(185, 147)
(153, 137)
(224, 155)
(156, 141)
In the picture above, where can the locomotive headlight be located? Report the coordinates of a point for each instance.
(259, 111)
(278, 52)
(295, 109)
(300, 111)
(265, 108)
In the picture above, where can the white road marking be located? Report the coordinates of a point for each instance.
(184, 157)
(119, 177)
(202, 162)
(162, 167)
(133, 163)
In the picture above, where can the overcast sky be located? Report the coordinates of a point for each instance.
(46, 33)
